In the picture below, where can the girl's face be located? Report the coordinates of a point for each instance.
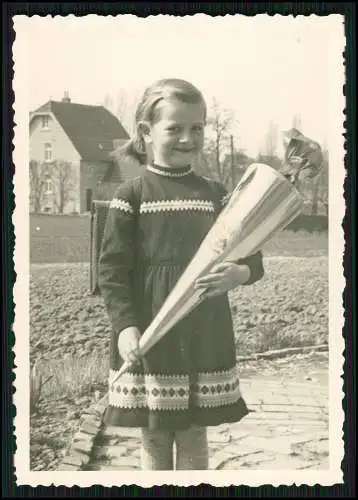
(176, 135)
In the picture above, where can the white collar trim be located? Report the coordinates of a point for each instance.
(168, 172)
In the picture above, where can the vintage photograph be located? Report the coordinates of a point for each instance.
(179, 245)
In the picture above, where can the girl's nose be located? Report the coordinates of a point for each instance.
(185, 137)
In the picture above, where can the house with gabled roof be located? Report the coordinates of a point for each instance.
(71, 156)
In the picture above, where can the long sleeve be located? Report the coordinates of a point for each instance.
(117, 259)
(254, 261)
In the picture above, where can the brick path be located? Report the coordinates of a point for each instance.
(287, 429)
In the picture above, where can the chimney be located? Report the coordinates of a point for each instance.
(66, 97)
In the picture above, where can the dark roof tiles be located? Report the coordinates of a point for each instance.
(91, 129)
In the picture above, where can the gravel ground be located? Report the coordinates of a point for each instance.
(57, 419)
(287, 308)
(69, 335)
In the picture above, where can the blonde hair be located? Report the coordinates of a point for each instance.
(170, 88)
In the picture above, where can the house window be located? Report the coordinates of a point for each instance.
(48, 151)
(48, 186)
(89, 195)
(45, 122)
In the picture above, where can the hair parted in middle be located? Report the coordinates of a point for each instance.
(169, 88)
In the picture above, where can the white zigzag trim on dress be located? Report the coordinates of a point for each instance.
(168, 173)
(123, 205)
(176, 205)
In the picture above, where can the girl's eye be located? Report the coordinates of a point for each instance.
(173, 128)
(198, 128)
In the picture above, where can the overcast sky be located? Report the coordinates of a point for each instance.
(263, 68)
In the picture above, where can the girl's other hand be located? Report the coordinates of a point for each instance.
(223, 278)
(128, 344)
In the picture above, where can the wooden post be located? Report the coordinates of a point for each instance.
(93, 249)
(98, 214)
(315, 195)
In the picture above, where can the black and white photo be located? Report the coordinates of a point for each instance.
(179, 244)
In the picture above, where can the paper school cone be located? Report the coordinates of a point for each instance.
(263, 203)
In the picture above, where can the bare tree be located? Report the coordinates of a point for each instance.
(220, 123)
(64, 183)
(125, 110)
(296, 122)
(236, 163)
(324, 180)
(271, 140)
(123, 107)
(320, 184)
(319, 187)
(315, 195)
(315, 188)
(37, 184)
(108, 102)
(268, 153)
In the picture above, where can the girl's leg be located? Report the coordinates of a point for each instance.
(157, 450)
(192, 449)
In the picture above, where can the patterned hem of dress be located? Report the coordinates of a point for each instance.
(204, 417)
(174, 392)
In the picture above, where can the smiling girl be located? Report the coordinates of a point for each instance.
(155, 225)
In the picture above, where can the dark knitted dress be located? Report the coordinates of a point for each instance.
(155, 225)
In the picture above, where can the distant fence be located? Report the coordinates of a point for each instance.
(310, 223)
(77, 238)
(69, 238)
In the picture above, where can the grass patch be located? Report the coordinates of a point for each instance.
(53, 249)
(74, 377)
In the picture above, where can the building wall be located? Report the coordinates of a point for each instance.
(107, 190)
(91, 174)
(62, 147)
(62, 151)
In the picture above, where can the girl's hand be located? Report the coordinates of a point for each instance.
(223, 277)
(128, 344)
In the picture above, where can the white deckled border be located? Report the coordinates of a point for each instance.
(335, 117)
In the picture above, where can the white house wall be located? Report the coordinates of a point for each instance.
(62, 147)
(62, 150)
